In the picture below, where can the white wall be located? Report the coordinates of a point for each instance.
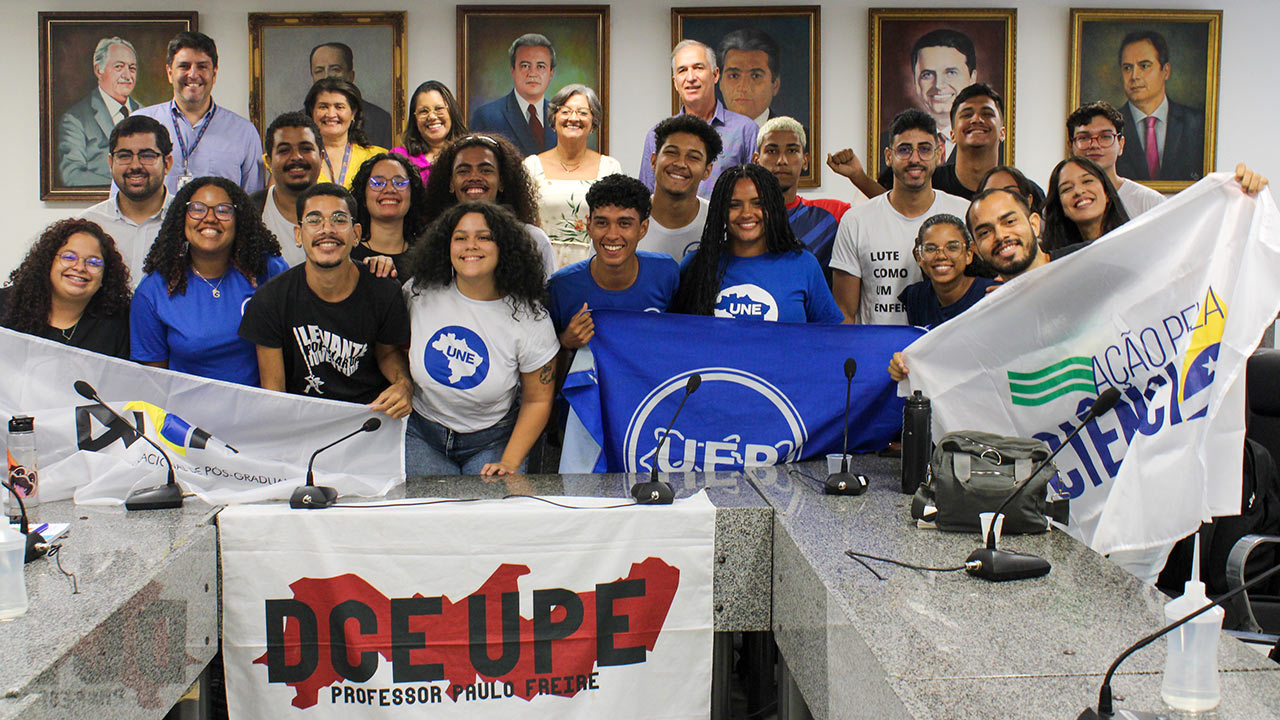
(641, 87)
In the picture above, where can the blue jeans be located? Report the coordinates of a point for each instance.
(433, 449)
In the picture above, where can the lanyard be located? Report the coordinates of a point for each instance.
(346, 158)
(182, 144)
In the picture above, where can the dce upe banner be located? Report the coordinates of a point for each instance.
(492, 609)
(1166, 309)
(229, 443)
(771, 392)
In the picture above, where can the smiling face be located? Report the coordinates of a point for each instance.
(940, 73)
(694, 79)
(1084, 200)
(978, 123)
(615, 233)
(475, 175)
(295, 158)
(210, 235)
(1144, 77)
(745, 224)
(746, 83)
(1088, 140)
(573, 119)
(137, 180)
(192, 75)
(119, 72)
(333, 113)
(782, 154)
(431, 114)
(389, 202)
(78, 282)
(532, 72)
(944, 254)
(327, 245)
(680, 164)
(472, 251)
(912, 157)
(1004, 233)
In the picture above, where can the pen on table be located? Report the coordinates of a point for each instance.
(42, 528)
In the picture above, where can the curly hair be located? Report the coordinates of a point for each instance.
(701, 279)
(518, 192)
(355, 133)
(620, 191)
(519, 277)
(1060, 230)
(412, 139)
(30, 294)
(693, 125)
(415, 221)
(253, 243)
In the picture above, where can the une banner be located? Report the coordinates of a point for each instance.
(493, 609)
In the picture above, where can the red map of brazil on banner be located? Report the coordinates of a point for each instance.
(429, 639)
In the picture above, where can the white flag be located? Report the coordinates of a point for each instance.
(1167, 309)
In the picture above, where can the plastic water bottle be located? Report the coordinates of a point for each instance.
(23, 466)
(1191, 669)
(13, 584)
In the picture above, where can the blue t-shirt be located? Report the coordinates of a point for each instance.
(924, 310)
(573, 285)
(194, 331)
(784, 287)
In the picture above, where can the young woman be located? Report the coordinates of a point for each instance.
(391, 209)
(338, 109)
(435, 121)
(72, 288)
(749, 263)
(1008, 176)
(1081, 206)
(211, 254)
(481, 338)
(563, 174)
(944, 250)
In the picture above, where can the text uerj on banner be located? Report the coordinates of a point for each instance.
(1167, 308)
(229, 443)
(490, 609)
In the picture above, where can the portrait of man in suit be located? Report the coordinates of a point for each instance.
(750, 72)
(1163, 139)
(335, 59)
(521, 114)
(84, 128)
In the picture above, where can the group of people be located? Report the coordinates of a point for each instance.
(446, 279)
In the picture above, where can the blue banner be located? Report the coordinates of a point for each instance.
(770, 393)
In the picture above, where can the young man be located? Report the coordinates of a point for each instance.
(293, 158)
(139, 156)
(1096, 130)
(977, 129)
(211, 140)
(943, 250)
(619, 276)
(327, 328)
(871, 260)
(687, 149)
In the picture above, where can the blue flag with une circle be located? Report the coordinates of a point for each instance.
(770, 392)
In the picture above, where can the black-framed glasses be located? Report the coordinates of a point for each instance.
(313, 221)
(953, 248)
(399, 182)
(197, 210)
(1103, 139)
(148, 158)
(69, 259)
(905, 151)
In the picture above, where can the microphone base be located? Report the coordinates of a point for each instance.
(1091, 714)
(654, 492)
(164, 497)
(1002, 565)
(845, 483)
(36, 547)
(312, 497)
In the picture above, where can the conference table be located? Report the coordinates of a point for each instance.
(913, 645)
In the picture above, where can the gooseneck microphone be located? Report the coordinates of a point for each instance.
(655, 491)
(164, 497)
(995, 565)
(36, 544)
(311, 497)
(845, 482)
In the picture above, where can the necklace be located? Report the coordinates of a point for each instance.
(70, 332)
(566, 168)
(216, 293)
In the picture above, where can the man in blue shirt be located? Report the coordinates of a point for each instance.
(618, 276)
(694, 72)
(207, 139)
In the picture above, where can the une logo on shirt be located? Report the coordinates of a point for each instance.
(457, 357)
(746, 301)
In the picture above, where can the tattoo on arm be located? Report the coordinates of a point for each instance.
(548, 373)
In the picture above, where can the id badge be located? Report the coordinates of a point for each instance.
(184, 179)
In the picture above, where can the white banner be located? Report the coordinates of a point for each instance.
(488, 609)
(1167, 309)
(229, 443)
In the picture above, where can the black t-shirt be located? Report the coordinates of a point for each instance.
(328, 347)
(103, 334)
(400, 260)
(924, 309)
(946, 180)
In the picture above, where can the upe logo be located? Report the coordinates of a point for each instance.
(746, 301)
(702, 439)
(457, 357)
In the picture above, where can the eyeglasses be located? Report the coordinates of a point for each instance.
(69, 259)
(378, 182)
(424, 112)
(197, 210)
(147, 157)
(1103, 139)
(904, 151)
(567, 112)
(314, 221)
(953, 248)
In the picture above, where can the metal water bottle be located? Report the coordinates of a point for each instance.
(23, 470)
(917, 441)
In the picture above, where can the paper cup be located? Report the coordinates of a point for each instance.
(833, 462)
(985, 520)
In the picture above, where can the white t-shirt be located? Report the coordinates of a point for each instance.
(542, 244)
(466, 355)
(1138, 198)
(678, 242)
(133, 240)
(280, 226)
(874, 243)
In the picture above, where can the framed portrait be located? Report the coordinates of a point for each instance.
(769, 64)
(290, 51)
(923, 58)
(95, 68)
(1159, 68)
(562, 45)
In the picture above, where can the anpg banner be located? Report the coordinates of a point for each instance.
(229, 443)
(490, 609)
(1167, 309)
(771, 392)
